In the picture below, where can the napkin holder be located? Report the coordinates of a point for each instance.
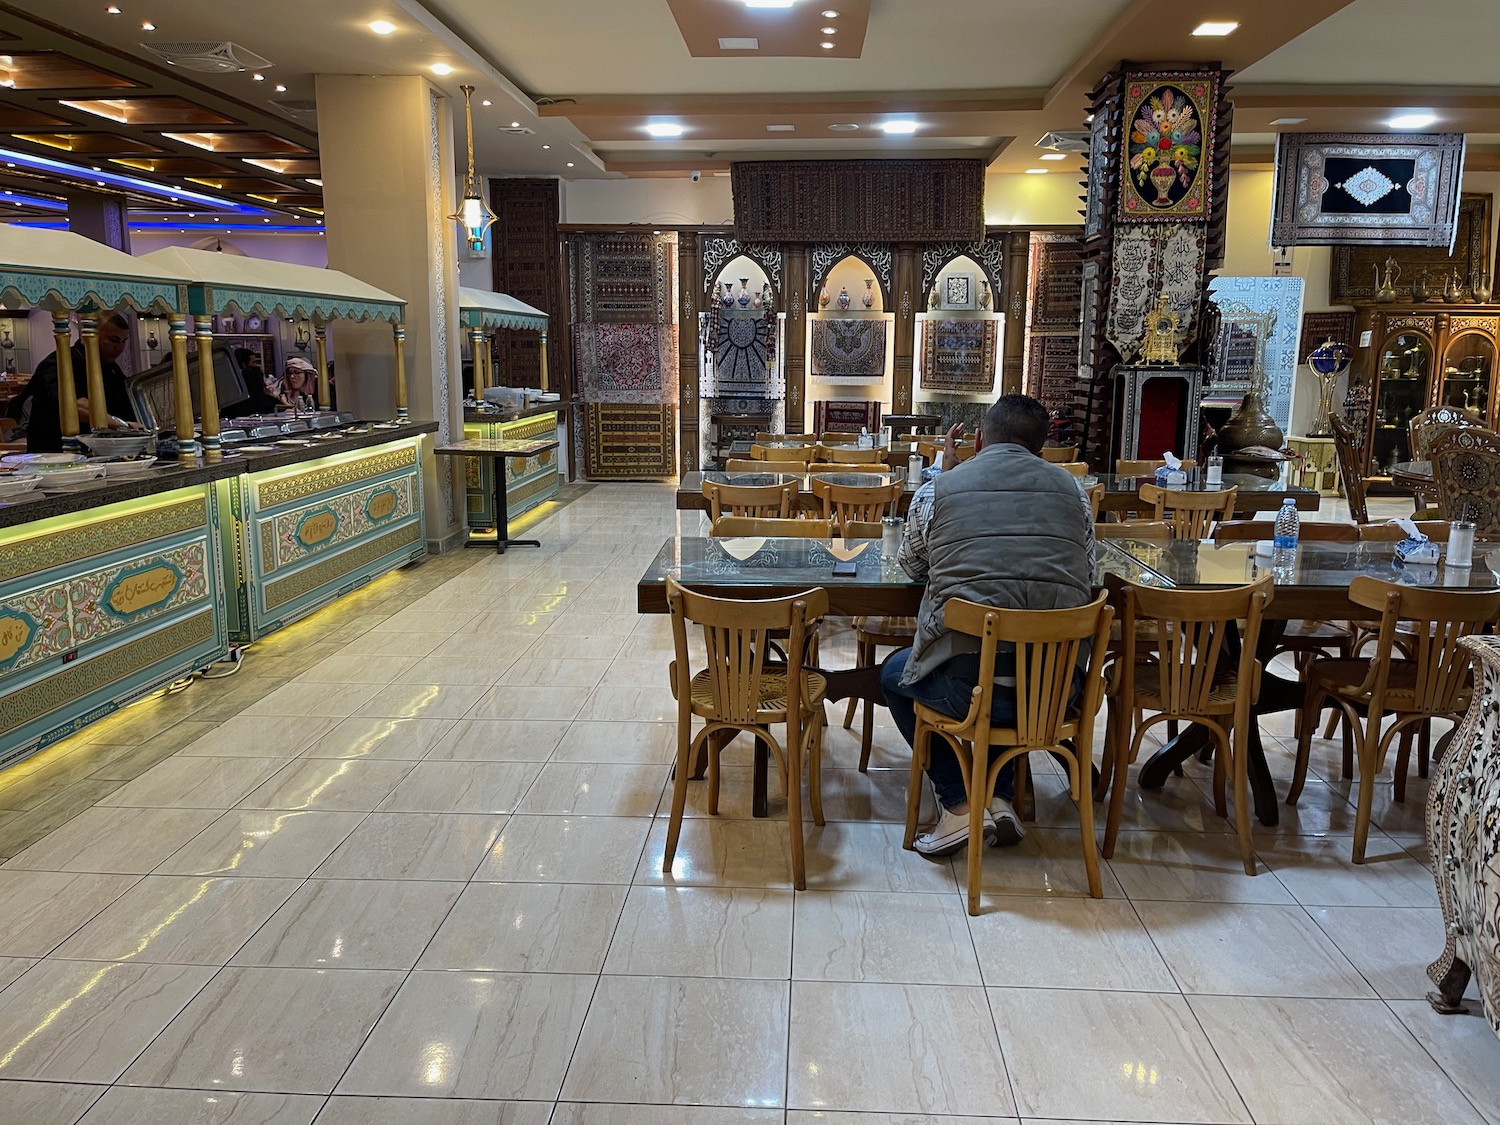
(1416, 549)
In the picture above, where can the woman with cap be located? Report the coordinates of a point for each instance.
(300, 380)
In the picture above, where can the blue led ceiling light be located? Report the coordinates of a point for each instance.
(167, 225)
(161, 191)
(19, 200)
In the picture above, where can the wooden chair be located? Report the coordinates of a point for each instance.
(1435, 682)
(838, 437)
(771, 453)
(872, 633)
(750, 499)
(901, 425)
(865, 503)
(1147, 467)
(1348, 450)
(1423, 427)
(1134, 529)
(1192, 514)
(1333, 531)
(740, 692)
(930, 449)
(1059, 454)
(839, 467)
(740, 465)
(1047, 644)
(1096, 497)
(1077, 468)
(1187, 676)
(861, 529)
(1466, 473)
(728, 527)
(788, 439)
(852, 456)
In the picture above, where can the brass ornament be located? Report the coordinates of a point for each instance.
(1161, 343)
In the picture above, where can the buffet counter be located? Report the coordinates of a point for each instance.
(529, 481)
(110, 591)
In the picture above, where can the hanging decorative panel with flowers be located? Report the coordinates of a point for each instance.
(1168, 151)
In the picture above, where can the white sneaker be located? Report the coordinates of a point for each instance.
(950, 833)
(1009, 831)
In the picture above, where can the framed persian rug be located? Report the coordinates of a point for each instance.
(1394, 189)
(846, 415)
(1281, 296)
(848, 349)
(626, 362)
(1052, 369)
(743, 347)
(958, 355)
(1320, 326)
(1056, 282)
(629, 441)
(1167, 158)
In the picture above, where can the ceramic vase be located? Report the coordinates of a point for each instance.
(744, 293)
(844, 297)
(932, 297)
(984, 294)
(823, 297)
(868, 300)
(728, 299)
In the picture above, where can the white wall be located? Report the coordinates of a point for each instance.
(299, 249)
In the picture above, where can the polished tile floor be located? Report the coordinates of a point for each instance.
(406, 868)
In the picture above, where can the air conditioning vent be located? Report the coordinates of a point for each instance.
(518, 131)
(302, 111)
(209, 58)
(1065, 142)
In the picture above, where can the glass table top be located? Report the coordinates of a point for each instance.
(694, 482)
(1412, 469)
(1245, 482)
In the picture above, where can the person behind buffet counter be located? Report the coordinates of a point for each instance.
(44, 431)
(261, 400)
(1004, 529)
(300, 381)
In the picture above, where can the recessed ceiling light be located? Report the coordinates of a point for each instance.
(903, 128)
(769, 3)
(829, 14)
(1037, 171)
(844, 127)
(112, 10)
(829, 30)
(546, 146)
(513, 124)
(441, 68)
(382, 27)
(147, 25)
(1288, 121)
(738, 43)
(664, 129)
(280, 89)
(1216, 27)
(1418, 120)
(258, 77)
(1054, 156)
(826, 45)
(570, 164)
(781, 128)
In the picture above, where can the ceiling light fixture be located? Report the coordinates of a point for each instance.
(382, 27)
(664, 129)
(1054, 156)
(148, 26)
(513, 124)
(739, 43)
(1037, 171)
(826, 45)
(769, 3)
(1418, 119)
(570, 164)
(258, 77)
(843, 127)
(1215, 27)
(442, 69)
(902, 128)
(1288, 121)
(472, 214)
(829, 14)
(546, 146)
(281, 89)
(829, 30)
(781, 128)
(113, 10)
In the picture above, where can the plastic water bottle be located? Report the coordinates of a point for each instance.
(1288, 526)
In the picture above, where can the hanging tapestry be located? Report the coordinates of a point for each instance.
(1104, 140)
(1152, 261)
(626, 362)
(1394, 189)
(1352, 276)
(958, 356)
(1056, 282)
(1320, 326)
(743, 347)
(967, 414)
(1052, 370)
(1283, 297)
(622, 278)
(1170, 117)
(846, 415)
(629, 442)
(848, 349)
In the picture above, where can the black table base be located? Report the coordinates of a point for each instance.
(502, 516)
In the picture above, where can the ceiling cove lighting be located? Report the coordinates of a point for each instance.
(442, 69)
(131, 183)
(1215, 27)
(35, 201)
(1054, 156)
(903, 128)
(472, 214)
(1419, 119)
(1288, 121)
(1037, 171)
(769, 3)
(664, 129)
(382, 27)
(179, 225)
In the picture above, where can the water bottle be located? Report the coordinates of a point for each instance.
(1288, 526)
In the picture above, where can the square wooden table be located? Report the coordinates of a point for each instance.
(499, 450)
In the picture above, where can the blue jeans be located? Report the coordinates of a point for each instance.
(948, 689)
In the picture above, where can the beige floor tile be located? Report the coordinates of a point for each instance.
(326, 700)
(1391, 948)
(81, 1021)
(473, 671)
(342, 1110)
(618, 742)
(571, 671)
(630, 704)
(562, 702)
(132, 1105)
(1099, 1055)
(527, 928)
(648, 670)
(462, 787)
(179, 920)
(499, 740)
(357, 668)
(351, 924)
(413, 644)
(1190, 867)
(879, 794)
(328, 785)
(413, 846)
(499, 1035)
(595, 789)
(46, 1103)
(903, 1048)
(287, 845)
(479, 649)
(380, 739)
(670, 1040)
(574, 849)
(1067, 943)
(122, 840)
(1179, 806)
(838, 1117)
(42, 907)
(883, 938)
(128, 763)
(273, 1030)
(713, 852)
(1464, 1046)
(1328, 1062)
(1319, 871)
(607, 1113)
(567, 642)
(703, 931)
(420, 701)
(13, 967)
(195, 783)
(1049, 861)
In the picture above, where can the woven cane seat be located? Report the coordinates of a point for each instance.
(772, 707)
(1221, 696)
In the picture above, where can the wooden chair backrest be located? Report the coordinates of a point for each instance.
(788, 439)
(1466, 469)
(1348, 449)
(832, 467)
(913, 423)
(1134, 529)
(1238, 531)
(771, 453)
(1425, 426)
(1192, 514)
(750, 499)
(740, 465)
(851, 456)
(1443, 617)
(1059, 454)
(837, 437)
(930, 449)
(729, 527)
(1077, 468)
(1096, 497)
(736, 636)
(864, 503)
(1436, 530)
(861, 529)
(1191, 628)
(1147, 467)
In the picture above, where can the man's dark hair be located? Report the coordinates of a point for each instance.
(118, 319)
(1016, 418)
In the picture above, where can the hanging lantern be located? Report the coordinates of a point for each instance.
(473, 216)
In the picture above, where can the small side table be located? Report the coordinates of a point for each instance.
(499, 450)
(1319, 467)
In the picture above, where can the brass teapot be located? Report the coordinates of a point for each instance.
(1385, 292)
(1419, 290)
(1453, 288)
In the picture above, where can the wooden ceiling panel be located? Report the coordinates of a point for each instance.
(19, 117)
(90, 144)
(150, 110)
(53, 70)
(244, 143)
(172, 165)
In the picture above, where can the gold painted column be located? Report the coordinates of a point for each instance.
(399, 332)
(208, 389)
(88, 335)
(182, 389)
(476, 351)
(67, 389)
(320, 341)
(798, 289)
(487, 350)
(543, 345)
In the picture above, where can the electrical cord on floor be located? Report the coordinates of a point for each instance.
(235, 661)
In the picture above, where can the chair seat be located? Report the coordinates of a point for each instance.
(772, 707)
(1315, 634)
(1344, 677)
(886, 630)
(1221, 697)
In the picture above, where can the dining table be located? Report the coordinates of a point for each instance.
(690, 488)
(1414, 475)
(1256, 494)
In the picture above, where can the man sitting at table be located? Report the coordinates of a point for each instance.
(1004, 529)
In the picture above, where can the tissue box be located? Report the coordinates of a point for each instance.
(1417, 551)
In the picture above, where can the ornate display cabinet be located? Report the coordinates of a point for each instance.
(1463, 837)
(1418, 356)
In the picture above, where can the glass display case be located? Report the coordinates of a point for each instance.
(1468, 365)
(1401, 391)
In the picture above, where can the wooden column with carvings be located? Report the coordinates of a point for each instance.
(689, 267)
(905, 278)
(1013, 305)
(527, 265)
(797, 290)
